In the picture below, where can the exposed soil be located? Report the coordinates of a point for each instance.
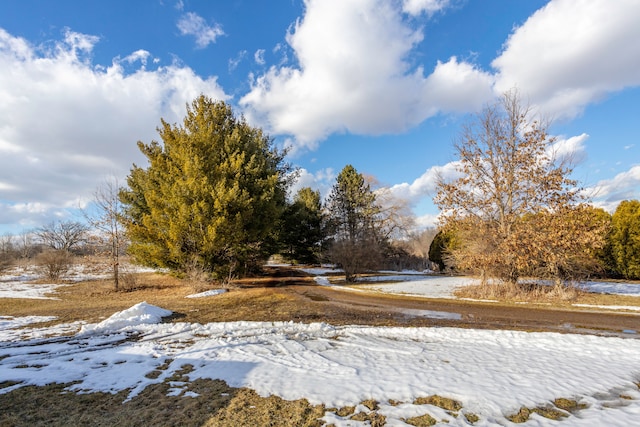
(372, 308)
(476, 314)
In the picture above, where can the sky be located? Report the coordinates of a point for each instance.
(492, 373)
(383, 85)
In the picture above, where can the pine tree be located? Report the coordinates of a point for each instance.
(303, 231)
(353, 211)
(211, 196)
(625, 239)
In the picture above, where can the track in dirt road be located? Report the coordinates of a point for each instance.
(404, 310)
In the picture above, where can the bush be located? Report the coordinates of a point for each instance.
(54, 263)
(6, 261)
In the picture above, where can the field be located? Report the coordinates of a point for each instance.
(282, 350)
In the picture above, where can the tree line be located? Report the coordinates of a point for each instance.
(214, 200)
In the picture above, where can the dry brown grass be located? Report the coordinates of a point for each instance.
(531, 292)
(425, 420)
(522, 292)
(560, 409)
(52, 406)
(549, 412)
(247, 408)
(251, 299)
(439, 401)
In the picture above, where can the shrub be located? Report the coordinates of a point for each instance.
(6, 261)
(54, 263)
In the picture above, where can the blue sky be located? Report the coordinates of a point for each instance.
(382, 85)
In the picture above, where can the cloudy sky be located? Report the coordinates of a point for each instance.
(382, 85)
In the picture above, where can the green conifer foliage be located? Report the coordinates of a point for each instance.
(303, 231)
(625, 238)
(353, 215)
(211, 196)
(441, 243)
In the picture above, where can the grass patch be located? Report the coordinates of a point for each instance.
(547, 412)
(440, 402)
(247, 408)
(52, 405)
(425, 420)
(471, 417)
(569, 405)
(374, 418)
(345, 411)
(370, 404)
(533, 293)
(530, 292)
(214, 404)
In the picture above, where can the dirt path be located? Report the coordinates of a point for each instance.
(412, 310)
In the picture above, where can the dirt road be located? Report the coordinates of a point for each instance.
(403, 310)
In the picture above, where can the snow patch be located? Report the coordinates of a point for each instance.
(140, 314)
(210, 293)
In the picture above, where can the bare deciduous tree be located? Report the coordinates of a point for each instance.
(394, 219)
(6, 243)
(25, 246)
(418, 243)
(106, 220)
(62, 235)
(510, 176)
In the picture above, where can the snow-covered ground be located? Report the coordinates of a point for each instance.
(492, 373)
(16, 282)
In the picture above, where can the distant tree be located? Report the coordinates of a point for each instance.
(7, 245)
(303, 228)
(211, 197)
(625, 239)
(106, 220)
(508, 172)
(438, 248)
(62, 235)
(25, 245)
(7, 251)
(419, 242)
(394, 220)
(352, 211)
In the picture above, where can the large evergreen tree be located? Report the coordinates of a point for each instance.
(211, 196)
(353, 213)
(625, 239)
(303, 231)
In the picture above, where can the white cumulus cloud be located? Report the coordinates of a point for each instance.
(193, 24)
(354, 74)
(608, 193)
(571, 53)
(416, 7)
(66, 123)
(426, 184)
